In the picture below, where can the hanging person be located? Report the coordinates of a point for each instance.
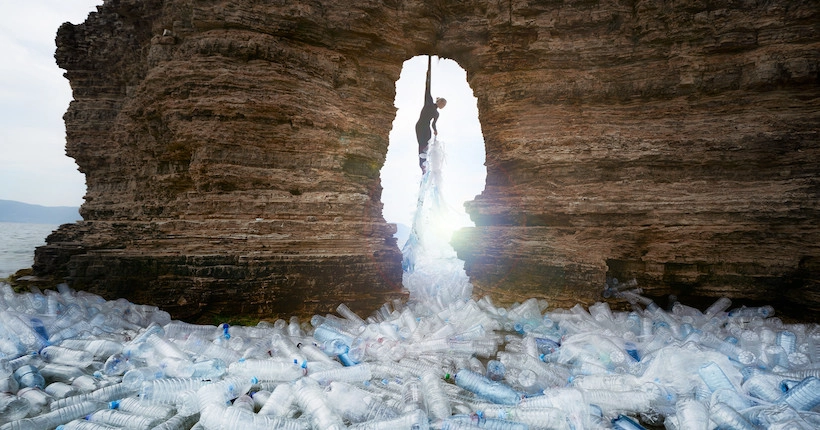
(429, 112)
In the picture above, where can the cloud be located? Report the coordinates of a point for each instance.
(33, 98)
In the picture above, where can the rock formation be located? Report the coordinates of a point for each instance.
(232, 149)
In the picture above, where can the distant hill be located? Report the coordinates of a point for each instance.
(12, 211)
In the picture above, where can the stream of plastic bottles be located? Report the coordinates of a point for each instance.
(72, 360)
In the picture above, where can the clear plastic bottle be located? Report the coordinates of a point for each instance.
(142, 336)
(752, 312)
(136, 377)
(16, 328)
(82, 424)
(256, 348)
(294, 329)
(311, 400)
(805, 396)
(286, 349)
(101, 349)
(166, 390)
(13, 407)
(473, 421)
(29, 376)
(412, 395)
(211, 368)
(484, 348)
(201, 347)
(85, 383)
(185, 402)
(244, 402)
(39, 328)
(798, 360)
(325, 333)
(56, 417)
(725, 416)
(165, 348)
(222, 417)
(409, 321)
(612, 382)
(61, 372)
(178, 422)
(37, 398)
(692, 414)
(496, 370)
(493, 391)
(79, 397)
(117, 364)
(732, 398)
(122, 419)
(351, 316)
(223, 392)
(619, 401)
(436, 401)
(714, 377)
(280, 402)
(529, 309)
(451, 424)
(148, 409)
(60, 390)
(343, 325)
(776, 356)
(259, 396)
(538, 418)
(71, 315)
(113, 392)
(548, 375)
(267, 370)
(357, 373)
(410, 420)
(763, 386)
(312, 353)
(182, 330)
(787, 340)
(173, 367)
(10, 346)
(355, 405)
(734, 352)
(719, 306)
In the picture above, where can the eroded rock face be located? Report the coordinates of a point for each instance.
(232, 149)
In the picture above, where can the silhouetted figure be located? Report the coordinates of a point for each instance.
(429, 112)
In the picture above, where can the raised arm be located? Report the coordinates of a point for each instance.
(428, 99)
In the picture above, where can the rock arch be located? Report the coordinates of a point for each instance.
(232, 149)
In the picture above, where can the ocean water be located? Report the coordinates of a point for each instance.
(17, 243)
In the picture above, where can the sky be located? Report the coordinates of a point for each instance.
(34, 95)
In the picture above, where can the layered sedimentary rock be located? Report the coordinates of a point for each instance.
(673, 143)
(232, 149)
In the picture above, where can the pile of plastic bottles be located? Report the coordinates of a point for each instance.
(71, 360)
